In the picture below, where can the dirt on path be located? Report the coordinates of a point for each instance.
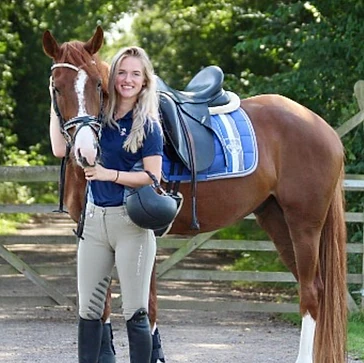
(49, 334)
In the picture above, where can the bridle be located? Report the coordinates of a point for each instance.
(77, 122)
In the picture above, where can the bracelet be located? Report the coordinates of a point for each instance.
(117, 176)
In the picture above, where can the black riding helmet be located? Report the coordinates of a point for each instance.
(149, 209)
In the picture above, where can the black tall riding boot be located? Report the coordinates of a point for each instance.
(89, 340)
(107, 351)
(140, 337)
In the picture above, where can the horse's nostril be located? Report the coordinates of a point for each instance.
(79, 155)
(84, 161)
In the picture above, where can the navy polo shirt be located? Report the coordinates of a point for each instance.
(114, 156)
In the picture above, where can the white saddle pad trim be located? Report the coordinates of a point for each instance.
(233, 105)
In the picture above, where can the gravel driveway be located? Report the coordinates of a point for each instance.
(48, 335)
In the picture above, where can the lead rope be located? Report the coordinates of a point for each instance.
(62, 177)
(81, 222)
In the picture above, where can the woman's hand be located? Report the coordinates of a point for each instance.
(98, 172)
(130, 179)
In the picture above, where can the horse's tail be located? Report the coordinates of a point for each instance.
(330, 337)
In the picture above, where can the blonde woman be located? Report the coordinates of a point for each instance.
(131, 142)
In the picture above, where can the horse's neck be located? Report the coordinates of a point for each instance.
(104, 69)
(74, 189)
(105, 100)
(77, 172)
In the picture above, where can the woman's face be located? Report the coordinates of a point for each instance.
(130, 78)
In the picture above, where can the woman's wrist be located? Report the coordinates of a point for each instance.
(116, 176)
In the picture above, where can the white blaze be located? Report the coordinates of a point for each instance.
(85, 144)
(80, 83)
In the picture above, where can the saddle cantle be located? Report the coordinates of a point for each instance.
(204, 87)
(187, 123)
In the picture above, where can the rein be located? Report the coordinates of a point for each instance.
(77, 122)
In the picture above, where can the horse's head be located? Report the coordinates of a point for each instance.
(79, 90)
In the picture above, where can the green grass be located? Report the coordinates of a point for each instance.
(10, 222)
(355, 331)
(356, 335)
(7, 226)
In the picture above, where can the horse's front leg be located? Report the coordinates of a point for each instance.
(107, 351)
(305, 354)
(157, 352)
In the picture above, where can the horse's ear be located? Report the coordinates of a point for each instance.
(50, 45)
(95, 43)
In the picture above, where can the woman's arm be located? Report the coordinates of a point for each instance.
(57, 140)
(131, 179)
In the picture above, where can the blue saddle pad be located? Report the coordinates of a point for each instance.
(236, 153)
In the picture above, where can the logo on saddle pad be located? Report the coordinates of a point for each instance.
(236, 152)
(233, 145)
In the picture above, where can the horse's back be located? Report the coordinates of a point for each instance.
(293, 131)
(287, 115)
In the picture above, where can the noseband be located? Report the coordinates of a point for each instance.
(79, 121)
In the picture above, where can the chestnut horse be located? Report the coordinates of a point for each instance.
(295, 192)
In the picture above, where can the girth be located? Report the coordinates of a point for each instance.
(187, 124)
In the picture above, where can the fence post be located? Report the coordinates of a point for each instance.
(185, 250)
(362, 270)
(356, 120)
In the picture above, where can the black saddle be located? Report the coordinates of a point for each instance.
(204, 88)
(187, 124)
(186, 116)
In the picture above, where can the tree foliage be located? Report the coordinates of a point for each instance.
(182, 38)
(25, 69)
(309, 51)
(9, 46)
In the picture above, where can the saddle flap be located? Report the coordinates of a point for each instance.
(197, 122)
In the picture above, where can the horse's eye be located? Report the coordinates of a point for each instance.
(54, 88)
(99, 85)
(56, 91)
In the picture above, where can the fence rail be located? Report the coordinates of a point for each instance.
(166, 270)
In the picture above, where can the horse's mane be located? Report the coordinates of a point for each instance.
(74, 52)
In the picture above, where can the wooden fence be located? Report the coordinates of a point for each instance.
(41, 274)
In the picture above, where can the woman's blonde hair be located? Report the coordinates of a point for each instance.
(146, 108)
